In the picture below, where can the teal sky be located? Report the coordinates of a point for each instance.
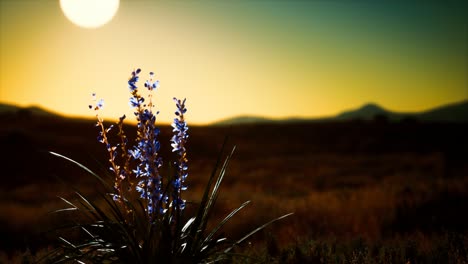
(267, 58)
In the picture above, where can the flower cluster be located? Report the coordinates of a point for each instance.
(142, 217)
(141, 162)
(178, 141)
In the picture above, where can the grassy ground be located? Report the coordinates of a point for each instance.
(362, 192)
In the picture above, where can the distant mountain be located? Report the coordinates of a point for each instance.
(245, 120)
(456, 112)
(7, 109)
(367, 112)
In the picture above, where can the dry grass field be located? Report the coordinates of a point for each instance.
(376, 182)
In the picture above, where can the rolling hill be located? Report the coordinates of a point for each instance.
(8, 109)
(456, 112)
(450, 113)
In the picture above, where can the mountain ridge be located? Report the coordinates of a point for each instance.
(33, 110)
(452, 112)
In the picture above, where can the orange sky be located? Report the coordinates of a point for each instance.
(268, 58)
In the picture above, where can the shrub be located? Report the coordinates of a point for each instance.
(140, 218)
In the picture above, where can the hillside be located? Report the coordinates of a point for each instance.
(13, 110)
(456, 112)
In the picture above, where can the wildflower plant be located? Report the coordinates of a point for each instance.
(140, 218)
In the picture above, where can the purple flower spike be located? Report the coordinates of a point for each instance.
(133, 80)
(141, 162)
(178, 141)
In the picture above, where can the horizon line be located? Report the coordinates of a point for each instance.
(227, 118)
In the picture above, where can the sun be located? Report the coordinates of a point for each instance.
(89, 13)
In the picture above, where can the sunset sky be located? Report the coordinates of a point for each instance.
(228, 58)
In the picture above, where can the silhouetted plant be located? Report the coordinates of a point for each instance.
(140, 218)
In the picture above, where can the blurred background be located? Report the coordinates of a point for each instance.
(269, 58)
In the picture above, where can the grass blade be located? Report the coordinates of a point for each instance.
(214, 194)
(255, 231)
(194, 231)
(224, 221)
(83, 167)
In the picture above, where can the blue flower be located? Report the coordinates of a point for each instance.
(147, 116)
(142, 160)
(135, 153)
(179, 126)
(100, 138)
(133, 80)
(151, 86)
(178, 203)
(141, 191)
(136, 102)
(177, 183)
(115, 197)
(99, 105)
(178, 142)
(155, 85)
(131, 84)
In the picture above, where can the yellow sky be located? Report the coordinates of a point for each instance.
(234, 58)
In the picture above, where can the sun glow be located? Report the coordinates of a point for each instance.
(89, 13)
